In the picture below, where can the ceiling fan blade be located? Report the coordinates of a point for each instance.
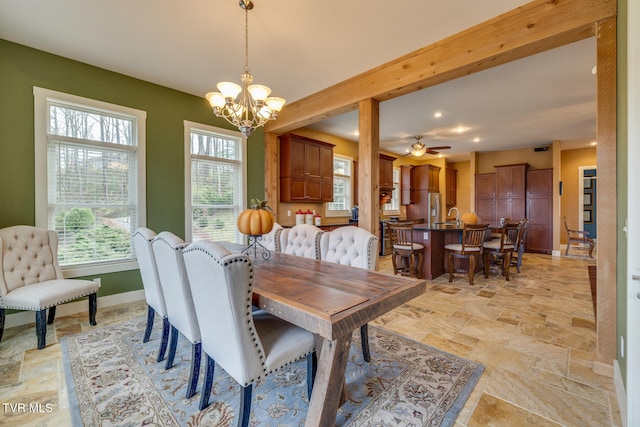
(444, 147)
(430, 151)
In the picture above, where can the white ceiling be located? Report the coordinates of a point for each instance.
(300, 47)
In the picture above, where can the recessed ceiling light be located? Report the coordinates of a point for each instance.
(476, 139)
(594, 70)
(437, 114)
(594, 143)
(461, 129)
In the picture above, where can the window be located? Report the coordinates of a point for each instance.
(215, 186)
(393, 207)
(89, 180)
(342, 185)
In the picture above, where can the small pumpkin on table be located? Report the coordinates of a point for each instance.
(255, 222)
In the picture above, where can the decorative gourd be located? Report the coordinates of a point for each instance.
(257, 220)
(469, 218)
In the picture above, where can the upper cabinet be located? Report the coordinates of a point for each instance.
(451, 184)
(386, 172)
(306, 169)
(418, 178)
(510, 191)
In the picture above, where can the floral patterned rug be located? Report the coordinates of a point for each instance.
(114, 380)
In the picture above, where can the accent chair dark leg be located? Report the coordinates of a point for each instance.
(52, 315)
(364, 337)
(208, 382)
(245, 406)
(150, 315)
(472, 268)
(93, 307)
(172, 347)
(41, 328)
(196, 353)
(450, 267)
(312, 368)
(2, 314)
(165, 339)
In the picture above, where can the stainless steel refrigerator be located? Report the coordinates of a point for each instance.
(433, 208)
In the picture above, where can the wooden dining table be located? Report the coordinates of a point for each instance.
(332, 301)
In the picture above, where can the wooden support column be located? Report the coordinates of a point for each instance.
(369, 166)
(607, 199)
(271, 171)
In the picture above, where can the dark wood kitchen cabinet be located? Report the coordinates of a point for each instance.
(486, 197)
(386, 172)
(540, 210)
(451, 185)
(406, 184)
(306, 169)
(510, 191)
(426, 177)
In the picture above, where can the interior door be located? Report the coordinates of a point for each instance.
(589, 194)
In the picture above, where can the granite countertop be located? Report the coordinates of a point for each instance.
(437, 227)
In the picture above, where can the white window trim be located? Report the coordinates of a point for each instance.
(395, 193)
(341, 213)
(40, 98)
(189, 126)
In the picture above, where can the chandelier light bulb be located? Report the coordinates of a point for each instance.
(259, 92)
(216, 99)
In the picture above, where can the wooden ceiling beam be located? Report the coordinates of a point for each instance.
(532, 28)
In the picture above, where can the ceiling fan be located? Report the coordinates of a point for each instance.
(419, 149)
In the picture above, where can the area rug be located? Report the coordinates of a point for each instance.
(114, 380)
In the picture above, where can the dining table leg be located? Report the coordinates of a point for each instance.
(328, 387)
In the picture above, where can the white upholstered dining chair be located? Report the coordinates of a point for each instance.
(31, 279)
(247, 345)
(356, 247)
(142, 242)
(271, 240)
(302, 240)
(167, 249)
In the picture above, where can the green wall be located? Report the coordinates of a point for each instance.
(21, 68)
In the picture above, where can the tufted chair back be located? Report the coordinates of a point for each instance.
(302, 240)
(167, 248)
(350, 245)
(271, 240)
(31, 279)
(29, 255)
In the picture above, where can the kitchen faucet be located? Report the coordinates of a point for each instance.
(457, 214)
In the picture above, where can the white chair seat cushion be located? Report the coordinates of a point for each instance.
(458, 247)
(416, 247)
(39, 296)
(495, 245)
(282, 341)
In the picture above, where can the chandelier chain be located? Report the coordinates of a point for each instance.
(246, 40)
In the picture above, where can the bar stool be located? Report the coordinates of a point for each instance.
(407, 255)
(470, 247)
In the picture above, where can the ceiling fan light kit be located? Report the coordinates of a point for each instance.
(418, 148)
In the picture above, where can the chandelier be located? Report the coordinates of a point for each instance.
(254, 107)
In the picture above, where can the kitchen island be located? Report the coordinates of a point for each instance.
(433, 238)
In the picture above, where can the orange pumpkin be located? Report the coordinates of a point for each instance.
(255, 221)
(469, 218)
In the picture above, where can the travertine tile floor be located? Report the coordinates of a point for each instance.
(535, 334)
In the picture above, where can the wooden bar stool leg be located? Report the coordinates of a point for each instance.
(472, 268)
(450, 266)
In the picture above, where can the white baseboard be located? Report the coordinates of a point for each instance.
(621, 393)
(26, 317)
(556, 253)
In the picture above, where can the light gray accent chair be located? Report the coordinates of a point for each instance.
(31, 278)
(247, 345)
(271, 240)
(302, 240)
(167, 249)
(356, 247)
(142, 242)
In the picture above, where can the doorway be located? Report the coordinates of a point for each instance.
(588, 200)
